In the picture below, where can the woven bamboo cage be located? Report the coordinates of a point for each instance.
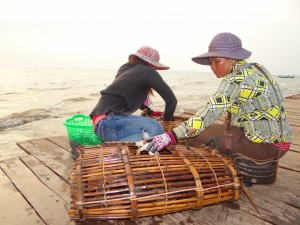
(113, 182)
(177, 120)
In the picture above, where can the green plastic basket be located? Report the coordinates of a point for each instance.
(80, 129)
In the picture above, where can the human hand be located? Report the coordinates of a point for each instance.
(156, 113)
(160, 142)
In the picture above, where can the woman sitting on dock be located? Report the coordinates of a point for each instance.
(131, 90)
(257, 126)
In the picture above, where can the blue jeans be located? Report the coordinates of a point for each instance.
(127, 128)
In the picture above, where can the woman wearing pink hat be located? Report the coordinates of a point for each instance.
(257, 127)
(131, 90)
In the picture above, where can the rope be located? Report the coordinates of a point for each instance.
(258, 162)
(104, 179)
(232, 171)
(165, 183)
(219, 191)
(195, 173)
(209, 164)
(130, 181)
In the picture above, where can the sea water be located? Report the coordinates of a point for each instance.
(36, 101)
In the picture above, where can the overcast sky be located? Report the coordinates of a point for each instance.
(101, 34)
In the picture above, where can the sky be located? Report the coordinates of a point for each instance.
(101, 34)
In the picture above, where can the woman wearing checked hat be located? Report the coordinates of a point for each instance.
(257, 125)
(131, 90)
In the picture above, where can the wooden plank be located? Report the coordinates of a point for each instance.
(295, 139)
(290, 161)
(20, 212)
(272, 210)
(295, 147)
(50, 154)
(222, 214)
(296, 130)
(286, 188)
(48, 177)
(291, 114)
(61, 141)
(295, 134)
(278, 203)
(293, 119)
(294, 122)
(292, 105)
(46, 203)
(293, 97)
(292, 108)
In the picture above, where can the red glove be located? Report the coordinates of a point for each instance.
(160, 142)
(156, 113)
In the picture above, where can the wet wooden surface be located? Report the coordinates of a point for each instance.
(35, 189)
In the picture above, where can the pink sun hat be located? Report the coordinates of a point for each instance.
(151, 56)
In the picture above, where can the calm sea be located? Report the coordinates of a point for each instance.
(36, 101)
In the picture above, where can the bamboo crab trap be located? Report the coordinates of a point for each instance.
(113, 182)
(177, 119)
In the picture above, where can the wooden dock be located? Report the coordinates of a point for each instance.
(35, 189)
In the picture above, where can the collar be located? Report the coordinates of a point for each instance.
(239, 64)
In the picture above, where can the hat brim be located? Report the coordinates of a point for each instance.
(154, 63)
(239, 55)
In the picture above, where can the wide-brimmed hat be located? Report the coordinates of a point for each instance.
(223, 45)
(151, 56)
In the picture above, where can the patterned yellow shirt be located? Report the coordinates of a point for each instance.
(248, 95)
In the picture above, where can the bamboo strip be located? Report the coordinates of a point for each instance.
(130, 184)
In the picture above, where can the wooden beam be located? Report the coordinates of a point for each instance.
(48, 205)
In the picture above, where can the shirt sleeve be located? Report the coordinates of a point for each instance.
(221, 101)
(163, 89)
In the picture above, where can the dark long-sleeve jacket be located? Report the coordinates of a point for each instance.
(130, 88)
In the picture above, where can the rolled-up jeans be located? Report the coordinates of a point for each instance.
(130, 128)
(240, 143)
